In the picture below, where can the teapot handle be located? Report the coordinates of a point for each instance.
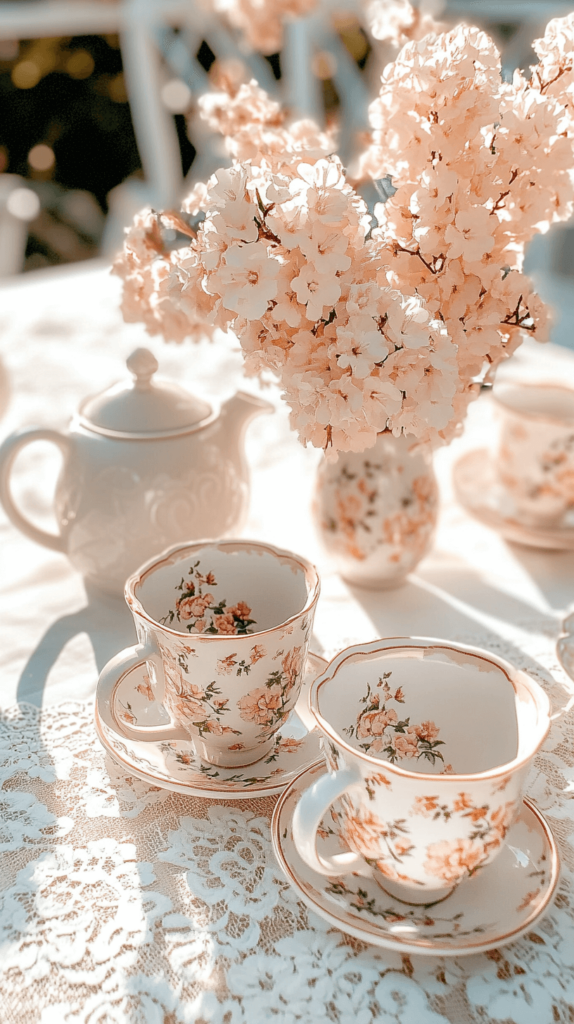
(8, 453)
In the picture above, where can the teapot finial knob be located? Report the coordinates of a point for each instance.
(142, 364)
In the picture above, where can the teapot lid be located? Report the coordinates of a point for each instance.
(143, 407)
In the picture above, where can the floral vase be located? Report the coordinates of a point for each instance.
(376, 511)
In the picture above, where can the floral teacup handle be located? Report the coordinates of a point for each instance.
(112, 674)
(307, 818)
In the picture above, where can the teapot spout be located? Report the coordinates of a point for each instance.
(239, 410)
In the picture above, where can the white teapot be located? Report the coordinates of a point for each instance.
(146, 465)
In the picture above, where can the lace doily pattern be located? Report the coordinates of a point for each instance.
(121, 903)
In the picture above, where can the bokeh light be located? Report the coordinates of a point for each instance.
(41, 157)
(176, 96)
(80, 64)
(23, 204)
(117, 89)
(26, 74)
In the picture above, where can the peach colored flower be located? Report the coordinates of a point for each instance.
(501, 819)
(463, 802)
(326, 248)
(225, 623)
(405, 746)
(216, 728)
(261, 21)
(451, 859)
(260, 705)
(425, 805)
(370, 327)
(228, 194)
(426, 731)
(189, 702)
(402, 846)
(315, 290)
(208, 580)
(257, 653)
(226, 665)
(200, 625)
(145, 688)
(193, 607)
(374, 723)
(246, 280)
(477, 813)
(292, 665)
(397, 21)
(289, 745)
(362, 831)
(186, 707)
(240, 610)
(183, 606)
(471, 235)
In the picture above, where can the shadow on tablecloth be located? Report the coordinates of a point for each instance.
(105, 620)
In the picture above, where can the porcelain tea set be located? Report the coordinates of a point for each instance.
(401, 765)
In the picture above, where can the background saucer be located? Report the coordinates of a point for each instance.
(175, 765)
(565, 645)
(481, 494)
(493, 907)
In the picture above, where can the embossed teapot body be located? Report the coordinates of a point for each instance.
(145, 465)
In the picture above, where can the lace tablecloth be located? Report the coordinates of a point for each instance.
(126, 904)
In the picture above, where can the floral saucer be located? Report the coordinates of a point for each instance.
(481, 494)
(175, 765)
(493, 907)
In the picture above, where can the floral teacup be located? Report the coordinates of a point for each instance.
(428, 744)
(224, 628)
(535, 456)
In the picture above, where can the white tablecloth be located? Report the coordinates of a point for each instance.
(118, 904)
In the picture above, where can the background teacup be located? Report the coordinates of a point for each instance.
(428, 744)
(535, 454)
(224, 628)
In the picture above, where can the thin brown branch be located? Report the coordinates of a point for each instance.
(563, 71)
(518, 319)
(498, 204)
(265, 232)
(435, 267)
